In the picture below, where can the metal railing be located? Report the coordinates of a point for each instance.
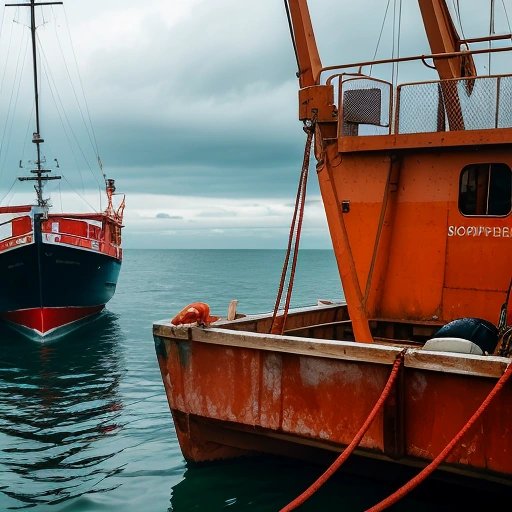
(7, 229)
(367, 105)
(459, 104)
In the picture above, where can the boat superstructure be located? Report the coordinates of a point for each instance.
(416, 182)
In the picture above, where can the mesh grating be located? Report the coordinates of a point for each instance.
(448, 105)
(365, 105)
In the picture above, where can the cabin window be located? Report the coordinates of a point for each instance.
(485, 189)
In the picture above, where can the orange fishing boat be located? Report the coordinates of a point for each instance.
(413, 369)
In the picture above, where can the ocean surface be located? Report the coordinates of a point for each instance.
(84, 421)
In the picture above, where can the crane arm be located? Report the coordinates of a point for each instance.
(308, 58)
(443, 38)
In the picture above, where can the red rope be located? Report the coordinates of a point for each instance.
(278, 324)
(345, 454)
(420, 477)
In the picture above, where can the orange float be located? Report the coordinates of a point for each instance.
(196, 312)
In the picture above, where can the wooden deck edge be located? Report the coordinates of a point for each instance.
(249, 318)
(346, 350)
(418, 359)
(463, 364)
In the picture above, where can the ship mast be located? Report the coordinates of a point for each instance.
(41, 174)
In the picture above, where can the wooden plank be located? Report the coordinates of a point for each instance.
(316, 326)
(345, 350)
(385, 353)
(395, 342)
(250, 322)
(448, 362)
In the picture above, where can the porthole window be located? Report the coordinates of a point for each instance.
(485, 189)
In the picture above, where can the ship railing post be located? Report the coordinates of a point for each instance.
(498, 86)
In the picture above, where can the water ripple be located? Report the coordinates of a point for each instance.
(59, 405)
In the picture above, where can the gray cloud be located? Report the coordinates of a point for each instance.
(167, 216)
(199, 99)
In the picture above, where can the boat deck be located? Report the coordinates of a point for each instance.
(325, 331)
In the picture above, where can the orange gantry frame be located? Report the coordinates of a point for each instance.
(416, 181)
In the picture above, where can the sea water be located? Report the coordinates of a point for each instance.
(84, 421)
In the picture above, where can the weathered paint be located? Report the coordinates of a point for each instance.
(253, 395)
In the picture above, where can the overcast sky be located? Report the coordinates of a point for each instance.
(193, 104)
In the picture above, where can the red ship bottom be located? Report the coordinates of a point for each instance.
(44, 321)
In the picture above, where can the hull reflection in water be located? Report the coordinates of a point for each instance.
(59, 405)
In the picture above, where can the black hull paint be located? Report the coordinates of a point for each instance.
(49, 275)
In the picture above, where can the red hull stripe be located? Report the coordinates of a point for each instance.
(44, 320)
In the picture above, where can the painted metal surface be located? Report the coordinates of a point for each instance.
(438, 263)
(405, 250)
(44, 321)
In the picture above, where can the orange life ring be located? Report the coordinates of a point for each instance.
(197, 312)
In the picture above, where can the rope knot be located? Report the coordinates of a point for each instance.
(309, 125)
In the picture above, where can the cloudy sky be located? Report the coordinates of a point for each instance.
(193, 105)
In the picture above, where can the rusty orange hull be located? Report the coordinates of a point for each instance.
(234, 390)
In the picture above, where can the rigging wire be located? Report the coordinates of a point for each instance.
(380, 35)
(14, 97)
(82, 197)
(68, 129)
(14, 181)
(60, 197)
(18, 79)
(63, 114)
(398, 40)
(395, 51)
(393, 45)
(1, 90)
(290, 26)
(2, 24)
(88, 127)
(27, 132)
(288, 272)
(491, 30)
(456, 7)
(506, 16)
(61, 111)
(100, 163)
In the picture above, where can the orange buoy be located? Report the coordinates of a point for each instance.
(197, 312)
